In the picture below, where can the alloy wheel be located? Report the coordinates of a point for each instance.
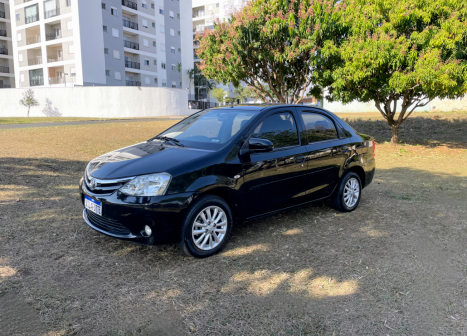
(209, 228)
(351, 192)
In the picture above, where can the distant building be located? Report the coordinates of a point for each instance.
(7, 70)
(102, 43)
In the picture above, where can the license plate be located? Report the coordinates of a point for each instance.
(93, 205)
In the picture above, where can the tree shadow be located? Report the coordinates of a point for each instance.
(417, 130)
(309, 270)
(49, 110)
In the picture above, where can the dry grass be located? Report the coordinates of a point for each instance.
(397, 265)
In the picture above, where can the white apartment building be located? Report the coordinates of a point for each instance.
(205, 12)
(7, 72)
(101, 42)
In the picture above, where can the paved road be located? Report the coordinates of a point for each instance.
(90, 122)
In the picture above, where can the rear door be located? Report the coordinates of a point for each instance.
(326, 152)
(276, 179)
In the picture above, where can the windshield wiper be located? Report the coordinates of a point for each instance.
(167, 139)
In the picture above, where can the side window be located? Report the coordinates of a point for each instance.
(318, 127)
(279, 128)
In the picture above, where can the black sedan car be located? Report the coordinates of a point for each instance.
(219, 166)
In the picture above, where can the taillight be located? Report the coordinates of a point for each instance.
(374, 148)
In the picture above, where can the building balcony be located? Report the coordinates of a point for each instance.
(33, 39)
(35, 60)
(4, 69)
(36, 81)
(32, 18)
(61, 80)
(55, 58)
(130, 4)
(53, 36)
(2, 14)
(3, 50)
(130, 24)
(5, 86)
(51, 13)
(132, 65)
(2, 32)
(131, 45)
(133, 83)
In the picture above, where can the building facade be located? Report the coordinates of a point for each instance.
(204, 13)
(7, 72)
(101, 43)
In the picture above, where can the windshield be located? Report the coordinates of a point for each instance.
(210, 129)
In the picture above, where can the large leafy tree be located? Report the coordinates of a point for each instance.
(400, 54)
(271, 45)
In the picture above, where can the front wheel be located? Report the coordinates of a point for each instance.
(206, 227)
(349, 192)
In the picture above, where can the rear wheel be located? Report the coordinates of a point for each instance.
(349, 192)
(206, 227)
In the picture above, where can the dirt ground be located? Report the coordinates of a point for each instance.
(395, 266)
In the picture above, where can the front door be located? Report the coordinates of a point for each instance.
(326, 153)
(276, 179)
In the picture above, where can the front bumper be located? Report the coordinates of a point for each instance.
(124, 217)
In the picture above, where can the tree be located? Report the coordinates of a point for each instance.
(219, 94)
(271, 44)
(399, 54)
(200, 81)
(179, 69)
(241, 93)
(28, 100)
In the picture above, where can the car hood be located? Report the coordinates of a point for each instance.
(140, 159)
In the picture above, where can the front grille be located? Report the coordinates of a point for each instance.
(102, 187)
(107, 225)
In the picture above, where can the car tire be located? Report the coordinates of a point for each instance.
(208, 219)
(348, 194)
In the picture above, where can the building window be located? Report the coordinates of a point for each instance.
(115, 32)
(154, 44)
(163, 47)
(113, 11)
(162, 29)
(179, 50)
(118, 75)
(172, 50)
(116, 54)
(71, 48)
(145, 23)
(68, 3)
(164, 84)
(155, 62)
(20, 57)
(178, 15)
(161, 10)
(147, 80)
(107, 72)
(146, 43)
(146, 62)
(106, 51)
(171, 13)
(179, 33)
(217, 5)
(153, 25)
(163, 65)
(17, 19)
(144, 4)
(69, 25)
(103, 5)
(72, 72)
(172, 32)
(152, 5)
(174, 84)
(104, 28)
(155, 80)
(174, 67)
(18, 37)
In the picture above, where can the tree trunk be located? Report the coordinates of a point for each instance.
(395, 135)
(28, 111)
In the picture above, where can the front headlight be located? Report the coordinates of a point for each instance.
(147, 185)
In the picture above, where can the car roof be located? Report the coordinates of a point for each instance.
(260, 107)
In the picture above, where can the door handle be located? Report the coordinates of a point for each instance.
(299, 159)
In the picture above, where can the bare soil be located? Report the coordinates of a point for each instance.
(395, 266)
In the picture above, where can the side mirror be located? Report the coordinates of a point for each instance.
(256, 145)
